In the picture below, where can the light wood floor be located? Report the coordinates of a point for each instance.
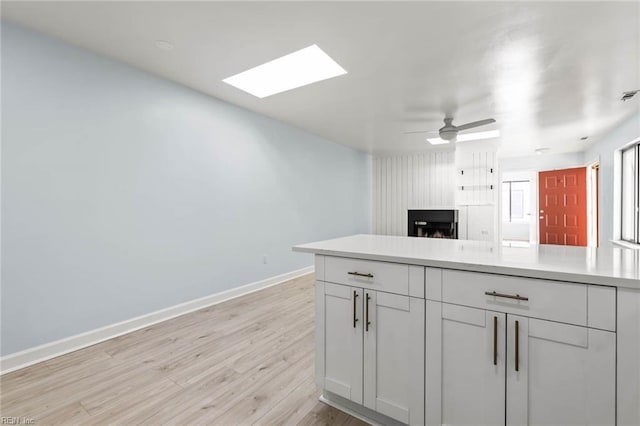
(245, 361)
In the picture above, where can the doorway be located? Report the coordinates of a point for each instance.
(518, 204)
(562, 205)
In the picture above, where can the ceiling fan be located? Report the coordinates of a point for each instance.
(449, 132)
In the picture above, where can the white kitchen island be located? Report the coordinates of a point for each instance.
(426, 331)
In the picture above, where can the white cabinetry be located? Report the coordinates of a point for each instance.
(628, 364)
(472, 379)
(501, 366)
(394, 356)
(476, 222)
(342, 372)
(559, 374)
(404, 344)
(370, 342)
(441, 343)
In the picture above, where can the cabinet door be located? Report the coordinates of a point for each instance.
(394, 356)
(341, 326)
(480, 223)
(559, 374)
(473, 366)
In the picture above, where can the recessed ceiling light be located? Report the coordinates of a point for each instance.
(296, 69)
(467, 137)
(164, 45)
(541, 151)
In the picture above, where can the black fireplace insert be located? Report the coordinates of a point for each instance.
(433, 223)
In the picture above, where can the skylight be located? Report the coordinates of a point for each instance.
(297, 69)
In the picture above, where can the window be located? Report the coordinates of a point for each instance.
(516, 197)
(630, 226)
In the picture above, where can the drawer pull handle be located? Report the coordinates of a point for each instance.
(366, 314)
(355, 320)
(517, 346)
(360, 274)
(495, 340)
(508, 296)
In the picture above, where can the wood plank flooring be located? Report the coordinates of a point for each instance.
(242, 362)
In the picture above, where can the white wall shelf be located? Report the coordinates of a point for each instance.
(474, 187)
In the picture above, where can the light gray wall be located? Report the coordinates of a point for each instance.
(604, 150)
(542, 162)
(123, 193)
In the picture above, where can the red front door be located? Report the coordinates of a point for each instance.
(563, 207)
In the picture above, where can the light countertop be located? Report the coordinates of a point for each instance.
(619, 267)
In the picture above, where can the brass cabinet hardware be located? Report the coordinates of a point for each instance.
(366, 314)
(360, 274)
(495, 340)
(508, 296)
(355, 320)
(517, 346)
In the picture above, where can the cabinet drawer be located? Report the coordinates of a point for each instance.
(551, 300)
(381, 276)
(601, 310)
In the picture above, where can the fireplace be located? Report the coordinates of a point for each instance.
(433, 223)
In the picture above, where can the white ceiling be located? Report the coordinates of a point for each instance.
(548, 72)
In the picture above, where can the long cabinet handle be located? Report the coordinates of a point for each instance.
(508, 296)
(360, 274)
(495, 340)
(517, 346)
(355, 319)
(366, 314)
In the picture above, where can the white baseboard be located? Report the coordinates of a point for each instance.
(349, 411)
(50, 350)
(358, 411)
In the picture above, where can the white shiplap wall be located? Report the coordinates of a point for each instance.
(477, 203)
(480, 173)
(405, 182)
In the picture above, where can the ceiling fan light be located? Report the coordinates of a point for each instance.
(478, 135)
(448, 135)
(437, 141)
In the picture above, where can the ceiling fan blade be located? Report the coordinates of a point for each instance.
(420, 131)
(475, 124)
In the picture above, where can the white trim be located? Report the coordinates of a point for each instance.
(50, 350)
(616, 221)
(358, 411)
(593, 213)
(617, 192)
(626, 244)
(628, 144)
(350, 412)
(532, 176)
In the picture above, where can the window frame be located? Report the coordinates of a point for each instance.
(635, 147)
(510, 182)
